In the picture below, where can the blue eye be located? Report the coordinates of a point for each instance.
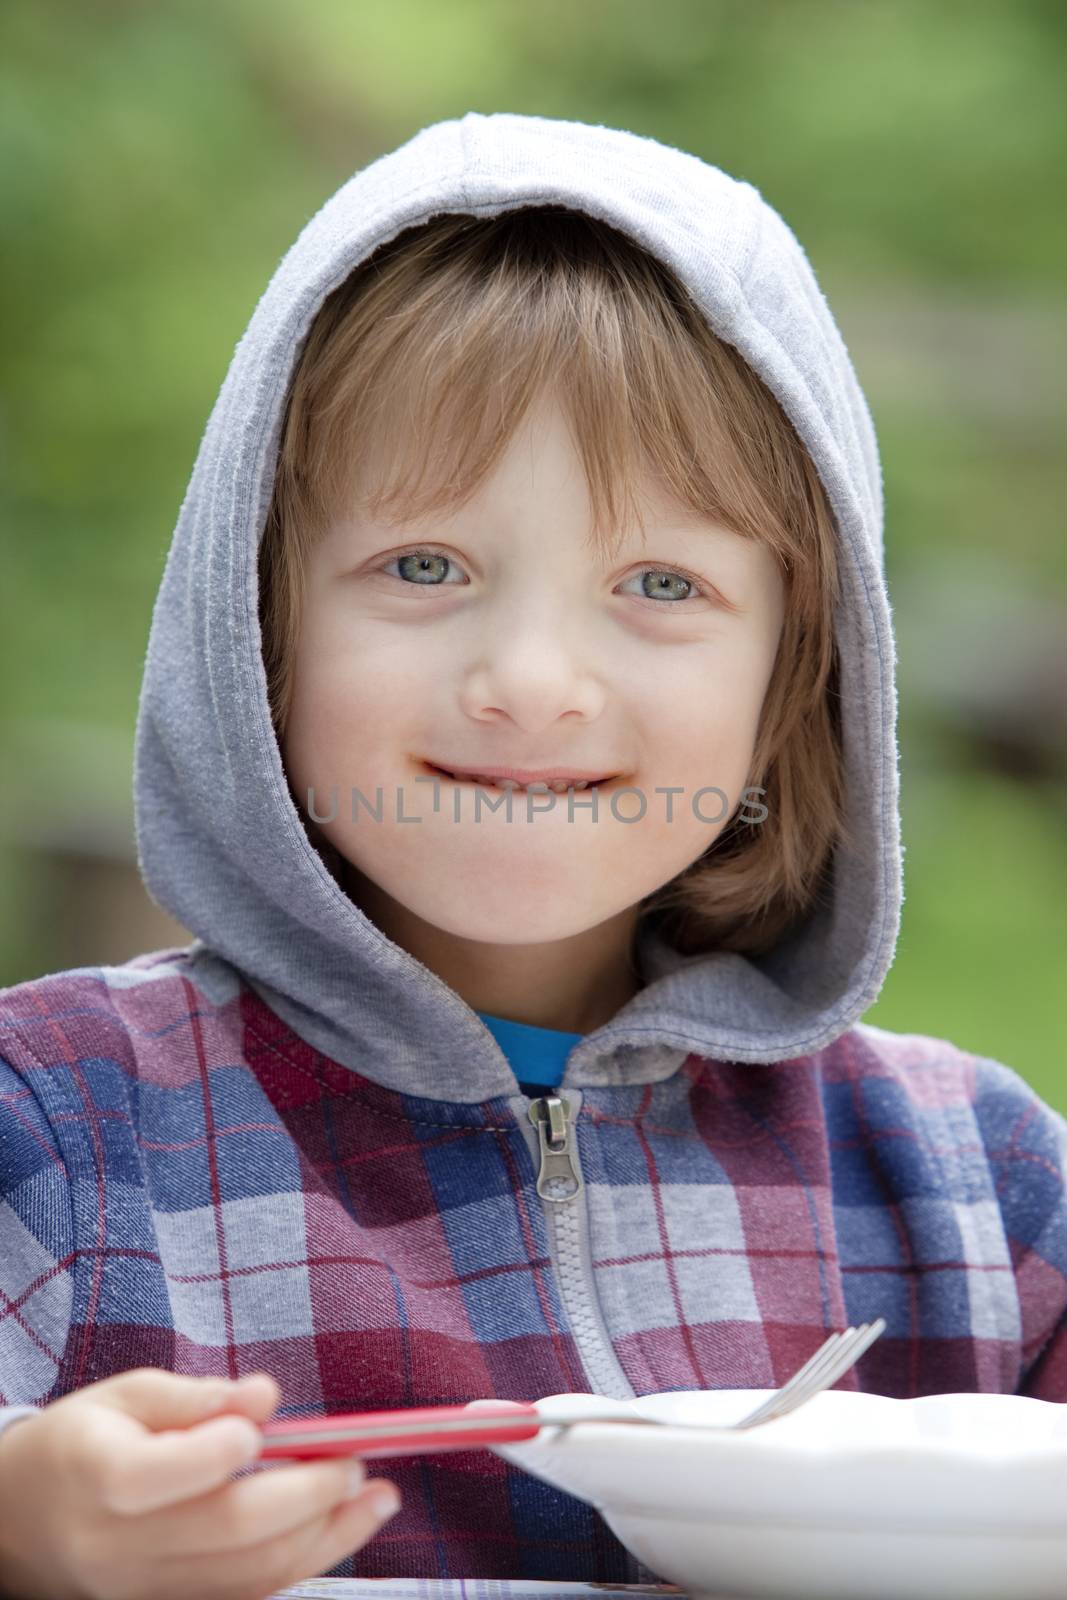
(424, 568)
(421, 567)
(663, 584)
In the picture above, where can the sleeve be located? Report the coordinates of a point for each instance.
(1026, 1146)
(36, 1251)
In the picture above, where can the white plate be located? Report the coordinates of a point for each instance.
(853, 1497)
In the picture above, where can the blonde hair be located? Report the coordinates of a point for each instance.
(417, 370)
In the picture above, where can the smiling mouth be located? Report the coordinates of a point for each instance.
(557, 786)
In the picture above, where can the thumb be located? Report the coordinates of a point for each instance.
(161, 1399)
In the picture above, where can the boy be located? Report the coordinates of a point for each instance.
(541, 456)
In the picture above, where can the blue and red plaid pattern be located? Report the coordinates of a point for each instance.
(187, 1184)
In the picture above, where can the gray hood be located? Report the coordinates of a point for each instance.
(220, 843)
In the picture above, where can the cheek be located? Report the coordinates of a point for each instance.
(354, 713)
(741, 687)
(323, 710)
(713, 706)
(354, 669)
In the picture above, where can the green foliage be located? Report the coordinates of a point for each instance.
(980, 955)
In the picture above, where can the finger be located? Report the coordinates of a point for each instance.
(280, 1562)
(161, 1469)
(160, 1399)
(270, 1504)
(352, 1526)
(256, 1395)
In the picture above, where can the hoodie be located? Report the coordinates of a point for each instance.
(291, 1146)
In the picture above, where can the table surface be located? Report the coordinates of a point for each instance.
(469, 1589)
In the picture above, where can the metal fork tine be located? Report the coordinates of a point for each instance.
(838, 1363)
(795, 1388)
(798, 1382)
(866, 1334)
(852, 1347)
(829, 1363)
(812, 1364)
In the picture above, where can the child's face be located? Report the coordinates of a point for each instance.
(527, 649)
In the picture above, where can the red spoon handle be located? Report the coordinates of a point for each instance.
(415, 1431)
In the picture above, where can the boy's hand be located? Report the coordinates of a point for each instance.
(121, 1491)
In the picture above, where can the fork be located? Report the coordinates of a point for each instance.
(830, 1362)
(421, 1430)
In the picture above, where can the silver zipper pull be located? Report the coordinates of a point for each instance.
(549, 1117)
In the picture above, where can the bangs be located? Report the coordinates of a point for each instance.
(425, 362)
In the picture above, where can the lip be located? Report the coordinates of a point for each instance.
(523, 775)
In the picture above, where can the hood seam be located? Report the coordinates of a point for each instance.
(357, 1096)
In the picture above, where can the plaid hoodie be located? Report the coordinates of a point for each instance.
(291, 1146)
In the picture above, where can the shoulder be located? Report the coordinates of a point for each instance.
(122, 1015)
(931, 1071)
(972, 1110)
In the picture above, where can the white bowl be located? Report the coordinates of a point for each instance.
(853, 1497)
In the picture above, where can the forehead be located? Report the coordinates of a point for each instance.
(415, 487)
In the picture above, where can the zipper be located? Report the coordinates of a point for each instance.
(554, 1148)
(557, 1153)
(548, 1126)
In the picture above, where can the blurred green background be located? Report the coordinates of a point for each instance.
(155, 164)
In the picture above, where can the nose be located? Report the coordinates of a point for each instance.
(533, 671)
